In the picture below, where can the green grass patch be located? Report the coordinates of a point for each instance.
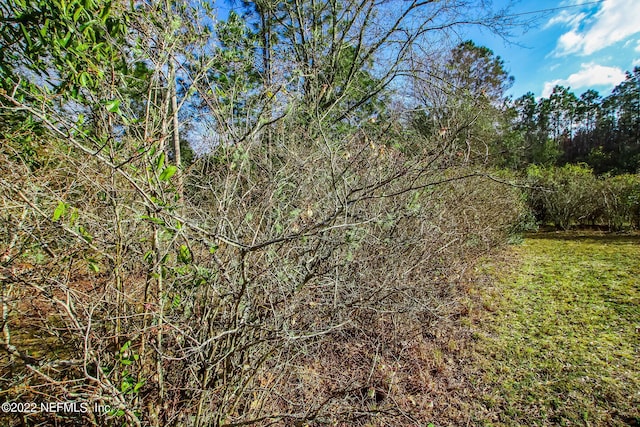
(560, 344)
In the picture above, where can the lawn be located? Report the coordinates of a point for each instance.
(558, 339)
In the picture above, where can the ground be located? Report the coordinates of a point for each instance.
(558, 333)
(547, 333)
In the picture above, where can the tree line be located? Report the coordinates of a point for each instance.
(581, 155)
(466, 97)
(577, 157)
(602, 132)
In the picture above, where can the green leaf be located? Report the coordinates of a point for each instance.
(153, 219)
(138, 386)
(104, 14)
(59, 211)
(159, 202)
(149, 256)
(113, 106)
(160, 163)
(65, 41)
(85, 234)
(45, 28)
(85, 79)
(184, 254)
(76, 15)
(176, 301)
(25, 33)
(167, 173)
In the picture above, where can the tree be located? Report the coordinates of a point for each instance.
(466, 102)
(526, 124)
(587, 113)
(627, 95)
(562, 112)
(601, 132)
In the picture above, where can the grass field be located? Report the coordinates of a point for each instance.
(559, 334)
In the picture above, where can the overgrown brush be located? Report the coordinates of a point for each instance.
(573, 196)
(272, 294)
(227, 290)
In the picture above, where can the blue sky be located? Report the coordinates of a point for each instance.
(581, 44)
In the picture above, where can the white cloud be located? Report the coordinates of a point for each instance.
(575, 2)
(637, 49)
(615, 21)
(570, 42)
(565, 18)
(590, 75)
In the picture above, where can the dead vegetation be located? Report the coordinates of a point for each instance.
(303, 268)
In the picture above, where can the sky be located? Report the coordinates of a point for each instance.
(581, 44)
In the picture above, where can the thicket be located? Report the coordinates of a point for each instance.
(292, 272)
(279, 294)
(572, 196)
(579, 155)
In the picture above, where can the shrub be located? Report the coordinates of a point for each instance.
(621, 201)
(572, 195)
(253, 297)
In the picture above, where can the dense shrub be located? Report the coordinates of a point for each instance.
(621, 201)
(572, 195)
(279, 287)
(263, 282)
(364, 265)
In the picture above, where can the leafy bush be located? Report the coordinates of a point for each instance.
(572, 195)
